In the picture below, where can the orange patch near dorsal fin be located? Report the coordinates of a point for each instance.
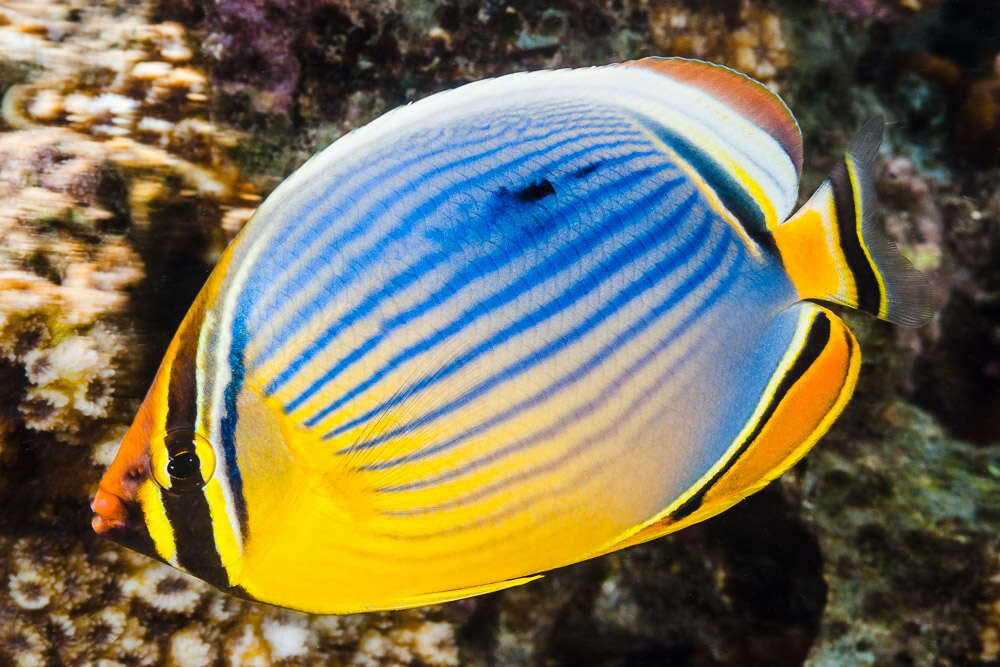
(748, 97)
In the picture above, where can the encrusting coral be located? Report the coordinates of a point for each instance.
(97, 144)
(886, 602)
(749, 39)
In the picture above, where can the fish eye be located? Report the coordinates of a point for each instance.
(185, 462)
(183, 465)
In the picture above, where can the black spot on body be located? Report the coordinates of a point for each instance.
(535, 192)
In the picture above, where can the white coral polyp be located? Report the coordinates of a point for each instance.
(287, 640)
(188, 648)
(64, 377)
(165, 589)
(248, 650)
(30, 590)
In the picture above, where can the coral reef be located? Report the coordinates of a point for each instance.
(718, 593)
(746, 36)
(72, 605)
(952, 230)
(64, 272)
(96, 147)
(299, 74)
(910, 562)
(977, 130)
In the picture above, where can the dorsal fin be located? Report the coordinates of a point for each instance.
(748, 97)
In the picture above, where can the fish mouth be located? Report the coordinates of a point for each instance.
(121, 521)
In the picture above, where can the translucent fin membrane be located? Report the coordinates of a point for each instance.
(835, 250)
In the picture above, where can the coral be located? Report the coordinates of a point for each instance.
(298, 75)
(69, 604)
(165, 590)
(747, 37)
(100, 147)
(108, 144)
(910, 564)
(23, 644)
(141, 98)
(952, 231)
(188, 648)
(977, 127)
(61, 278)
(287, 637)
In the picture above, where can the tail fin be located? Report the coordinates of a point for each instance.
(835, 250)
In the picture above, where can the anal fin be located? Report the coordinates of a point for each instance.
(805, 394)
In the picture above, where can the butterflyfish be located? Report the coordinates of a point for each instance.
(509, 327)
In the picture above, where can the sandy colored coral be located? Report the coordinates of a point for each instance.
(164, 589)
(188, 648)
(97, 147)
(61, 279)
(753, 43)
(118, 606)
(139, 95)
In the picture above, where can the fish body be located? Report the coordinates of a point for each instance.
(506, 328)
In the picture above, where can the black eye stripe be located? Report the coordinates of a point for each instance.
(179, 441)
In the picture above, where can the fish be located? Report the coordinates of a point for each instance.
(509, 327)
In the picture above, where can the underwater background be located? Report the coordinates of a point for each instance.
(136, 137)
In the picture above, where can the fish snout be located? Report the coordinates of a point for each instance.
(110, 512)
(118, 514)
(117, 499)
(121, 520)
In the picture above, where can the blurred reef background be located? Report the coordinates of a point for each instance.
(137, 136)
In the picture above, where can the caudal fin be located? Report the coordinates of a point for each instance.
(835, 250)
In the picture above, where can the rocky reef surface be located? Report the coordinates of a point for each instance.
(136, 139)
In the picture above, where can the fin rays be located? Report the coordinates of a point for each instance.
(835, 250)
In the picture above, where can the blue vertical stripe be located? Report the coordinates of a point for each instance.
(231, 417)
